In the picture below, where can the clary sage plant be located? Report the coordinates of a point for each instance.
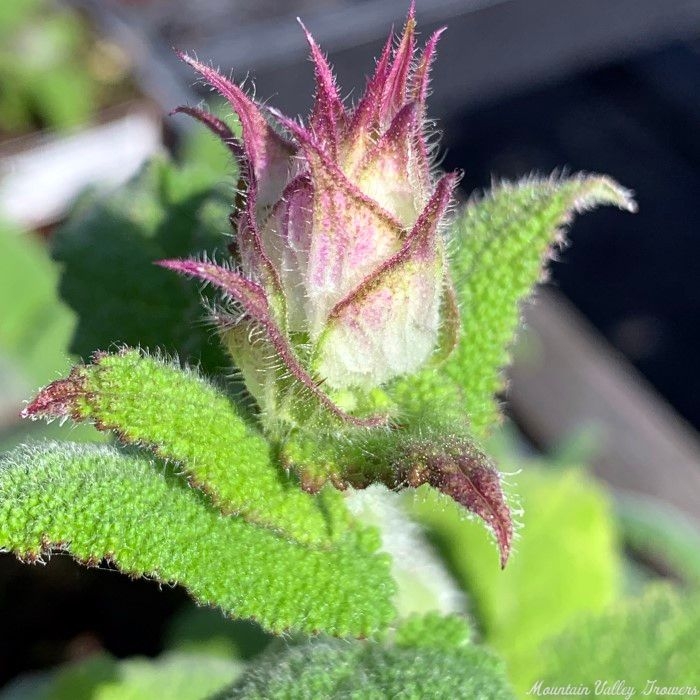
(370, 318)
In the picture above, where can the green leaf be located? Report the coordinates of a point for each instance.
(172, 676)
(97, 503)
(501, 246)
(370, 671)
(452, 464)
(108, 248)
(183, 418)
(564, 563)
(653, 638)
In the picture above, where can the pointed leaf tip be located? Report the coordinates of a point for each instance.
(328, 115)
(466, 475)
(421, 77)
(58, 399)
(216, 126)
(411, 11)
(595, 190)
(394, 95)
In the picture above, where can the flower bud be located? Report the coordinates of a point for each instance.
(340, 267)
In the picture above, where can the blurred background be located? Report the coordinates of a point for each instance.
(606, 368)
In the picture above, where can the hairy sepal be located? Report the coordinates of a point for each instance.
(266, 152)
(256, 305)
(389, 324)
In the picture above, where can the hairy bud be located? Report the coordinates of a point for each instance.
(340, 266)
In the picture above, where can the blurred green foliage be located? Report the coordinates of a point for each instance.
(108, 249)
(653, 638)
(35, 330)
(36, 326)
(53, 73)
(174, 675)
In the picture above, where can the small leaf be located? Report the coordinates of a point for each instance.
(502, 245)
(97, 503)
(451, 464)
(183, 418)
(649, 644)
(457, 468)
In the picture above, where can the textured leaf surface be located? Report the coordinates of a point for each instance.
(564, 563)
(654, 638)
(433, 631)
(452, 464)
(173, 676)
(97, 503)
(183, 418)
(501, 244)
(368, 670)
(108, 247)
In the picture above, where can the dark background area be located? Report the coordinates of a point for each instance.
(521, 87)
